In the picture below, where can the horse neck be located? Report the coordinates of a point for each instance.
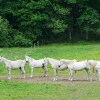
(30, 59)
(5, 60)
(87, 63)
(52, 61)
(93, 63)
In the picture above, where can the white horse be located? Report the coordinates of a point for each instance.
(55, 65)
(77, 66)
(9, 64)
(93, 63)
(97, 69)
(64, 63)
(96, 66)
(41, 63)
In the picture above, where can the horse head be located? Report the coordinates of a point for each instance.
(46, 60)
(26, 58)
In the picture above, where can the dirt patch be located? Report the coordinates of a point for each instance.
(49, 79)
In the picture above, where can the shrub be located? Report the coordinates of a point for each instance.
(21, 41)
(4, 32)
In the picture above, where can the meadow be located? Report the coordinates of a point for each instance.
(22, 90)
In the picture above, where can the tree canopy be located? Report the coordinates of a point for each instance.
(25, 22)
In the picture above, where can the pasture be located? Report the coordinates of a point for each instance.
(43, 88)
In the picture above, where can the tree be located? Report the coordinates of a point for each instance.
(4, 33)
(89, 21)
(49, 20)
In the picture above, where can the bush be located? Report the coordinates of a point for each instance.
(21, 41)
(4, 32)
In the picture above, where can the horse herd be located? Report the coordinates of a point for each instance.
(62, 64)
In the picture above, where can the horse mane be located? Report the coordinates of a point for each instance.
(5, 59)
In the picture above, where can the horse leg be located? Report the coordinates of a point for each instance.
(72, 72)
(45, 71)
(23, 72)
(9, 73)
(55, 74)
(89, 74)
(31, 72)
(71, 75)
(99, 75)
(96, 75)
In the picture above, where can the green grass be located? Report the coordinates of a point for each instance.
(12, 90)
(18, 90)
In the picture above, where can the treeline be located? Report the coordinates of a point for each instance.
(25, 22)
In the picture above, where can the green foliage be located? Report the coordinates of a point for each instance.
(21, 41)
(61, 10)
(4, 33)
(57, 26)
(90, 20)
(98, 31)
(71, 1)
(43, 20)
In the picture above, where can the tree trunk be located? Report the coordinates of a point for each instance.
(70, 36)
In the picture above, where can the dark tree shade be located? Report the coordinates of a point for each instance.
(48, 21)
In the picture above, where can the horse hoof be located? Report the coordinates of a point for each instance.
(55, 79)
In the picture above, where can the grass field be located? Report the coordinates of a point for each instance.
(12, 90)
(21, 90)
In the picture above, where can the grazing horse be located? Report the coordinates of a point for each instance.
(77, 66)
(41, 63)
(10, 65)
